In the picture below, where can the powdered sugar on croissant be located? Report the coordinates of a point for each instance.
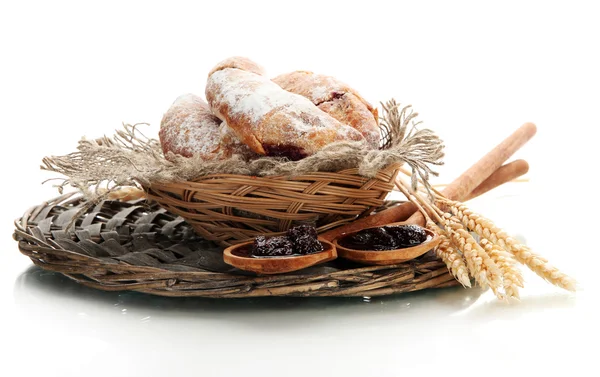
(189, 128)
(238, 62)
(336, 99)
(270, 120)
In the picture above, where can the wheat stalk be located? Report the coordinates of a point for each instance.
(482, 267)
(511, 276)
(445, 251)
(492, 260)
(449, 255)
(487, 229)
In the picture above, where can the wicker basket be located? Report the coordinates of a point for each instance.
(140, 246)
(230, 209)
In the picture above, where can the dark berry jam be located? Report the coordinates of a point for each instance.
(300, 240)
(337, 95)
(385, 238)
(280, 150)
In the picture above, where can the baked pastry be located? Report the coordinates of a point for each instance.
(270, 120)
(336, 99)
(189, 128)
(238, 62)
(231, 144)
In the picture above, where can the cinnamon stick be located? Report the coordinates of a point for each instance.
(459, 189)
(476, 174)
(489, 163)
(504, 174)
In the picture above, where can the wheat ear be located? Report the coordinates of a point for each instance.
(486, 228)
(482, 267)
(445, 250)
(511, 275)
(449, 255)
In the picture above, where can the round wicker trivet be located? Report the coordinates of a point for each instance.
(139, 246)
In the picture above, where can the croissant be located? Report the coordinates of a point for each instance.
(336, 99)
(189, 128)
(267, 118)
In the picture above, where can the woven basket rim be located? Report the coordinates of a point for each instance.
(390, 167)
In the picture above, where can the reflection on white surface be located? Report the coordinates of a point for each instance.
(88, 324)
(34, 286)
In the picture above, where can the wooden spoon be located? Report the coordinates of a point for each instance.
(239, 256)
(386, 257)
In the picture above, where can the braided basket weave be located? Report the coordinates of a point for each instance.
(140, 246)
(230, 209)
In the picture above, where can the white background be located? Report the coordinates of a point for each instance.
(474, 71)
